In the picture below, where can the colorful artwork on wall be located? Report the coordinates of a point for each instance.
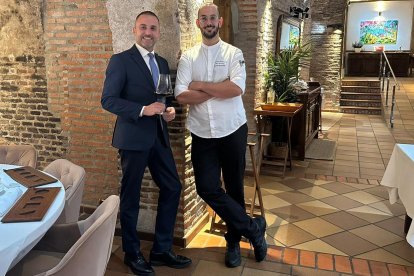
(293, 35)
(378, 32)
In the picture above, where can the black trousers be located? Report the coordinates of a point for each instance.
(161, 164)
(227, 156)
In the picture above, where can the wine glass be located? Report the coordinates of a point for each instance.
(164, 88)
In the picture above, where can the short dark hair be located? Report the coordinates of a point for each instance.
(147, 13)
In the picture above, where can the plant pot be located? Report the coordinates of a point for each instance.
(357, 50)
(283, 107)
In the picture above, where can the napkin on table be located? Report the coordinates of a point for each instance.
(7, 198)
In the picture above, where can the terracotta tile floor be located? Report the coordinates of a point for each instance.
(324, 217)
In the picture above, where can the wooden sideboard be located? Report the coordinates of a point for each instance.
(366, 64)
(306, 122)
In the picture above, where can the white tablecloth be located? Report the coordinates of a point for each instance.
(16, 239)
(399, 178)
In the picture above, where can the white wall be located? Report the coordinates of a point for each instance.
(391, 10)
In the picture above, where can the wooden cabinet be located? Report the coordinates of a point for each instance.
(366, 64)
(305, 124)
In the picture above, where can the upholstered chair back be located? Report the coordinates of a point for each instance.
(73, 179)
(22, 155)
(81, 248)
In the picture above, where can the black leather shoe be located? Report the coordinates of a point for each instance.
(169, 259)
(138, 264)
(259, 242)
(232, 257)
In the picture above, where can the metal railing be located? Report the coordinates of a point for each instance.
(385, 71)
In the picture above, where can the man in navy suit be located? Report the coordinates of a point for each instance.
(141, 136)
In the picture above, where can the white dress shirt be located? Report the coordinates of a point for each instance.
(216, 117)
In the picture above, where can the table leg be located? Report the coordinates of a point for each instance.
(289, 119)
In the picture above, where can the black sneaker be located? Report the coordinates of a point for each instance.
(232, 257)
(259, 242)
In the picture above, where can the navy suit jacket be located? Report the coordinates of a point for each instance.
(128, 87)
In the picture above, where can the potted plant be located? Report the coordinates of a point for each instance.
(357, 45)
(282, 75)
(282, 79)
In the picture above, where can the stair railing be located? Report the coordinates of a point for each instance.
(385, 74)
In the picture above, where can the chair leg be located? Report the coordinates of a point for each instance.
(256, 188)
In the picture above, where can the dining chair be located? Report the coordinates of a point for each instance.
(81, 248)
(23, 155)
(73, 179)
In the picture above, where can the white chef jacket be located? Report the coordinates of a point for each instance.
(216, 117)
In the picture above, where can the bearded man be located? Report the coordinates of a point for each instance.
(211, 78)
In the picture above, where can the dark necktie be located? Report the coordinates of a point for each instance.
(155, 76)
(154, 69)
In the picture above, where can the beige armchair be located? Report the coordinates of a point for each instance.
(23, 155)
(73, 179)
(81, 248)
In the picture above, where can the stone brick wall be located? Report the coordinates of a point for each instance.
(268, 13)
(327, 49)
(24, 114)
(78, 44)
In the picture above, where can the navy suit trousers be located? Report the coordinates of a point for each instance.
(160, 161)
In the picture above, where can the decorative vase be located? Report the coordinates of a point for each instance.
(357, 50)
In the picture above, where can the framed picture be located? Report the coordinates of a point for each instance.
(378, 32)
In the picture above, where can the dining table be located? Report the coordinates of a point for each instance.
(399, 180)
(18, 238)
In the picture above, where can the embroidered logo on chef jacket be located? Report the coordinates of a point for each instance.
(241, 62)
(219, 63)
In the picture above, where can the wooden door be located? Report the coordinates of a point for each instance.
(226, 31)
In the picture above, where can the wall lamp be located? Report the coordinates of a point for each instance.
(299, 12)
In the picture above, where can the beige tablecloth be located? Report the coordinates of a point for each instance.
(399, 179)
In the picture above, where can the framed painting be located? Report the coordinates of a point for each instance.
(378, 32)
(293, 35)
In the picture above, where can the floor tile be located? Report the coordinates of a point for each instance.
(271, 202)
(318, 245)
(402, 249)
(294, 197)
(381, 255)
(395, 209)
(209, 268)
(376, 235)
(296, 183)
(275, 188)
(338, 187)
(345, 220)
(301, 271)
(289, 234)
(257, 272)
(273, 220)
(341, 202)
(363, 197)
(292, 213)
(349, 243)
(266, 266)
(317, 192)
(394, 225)
(318, 227)
(369, 214)
(317, 207)
(379, 191)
